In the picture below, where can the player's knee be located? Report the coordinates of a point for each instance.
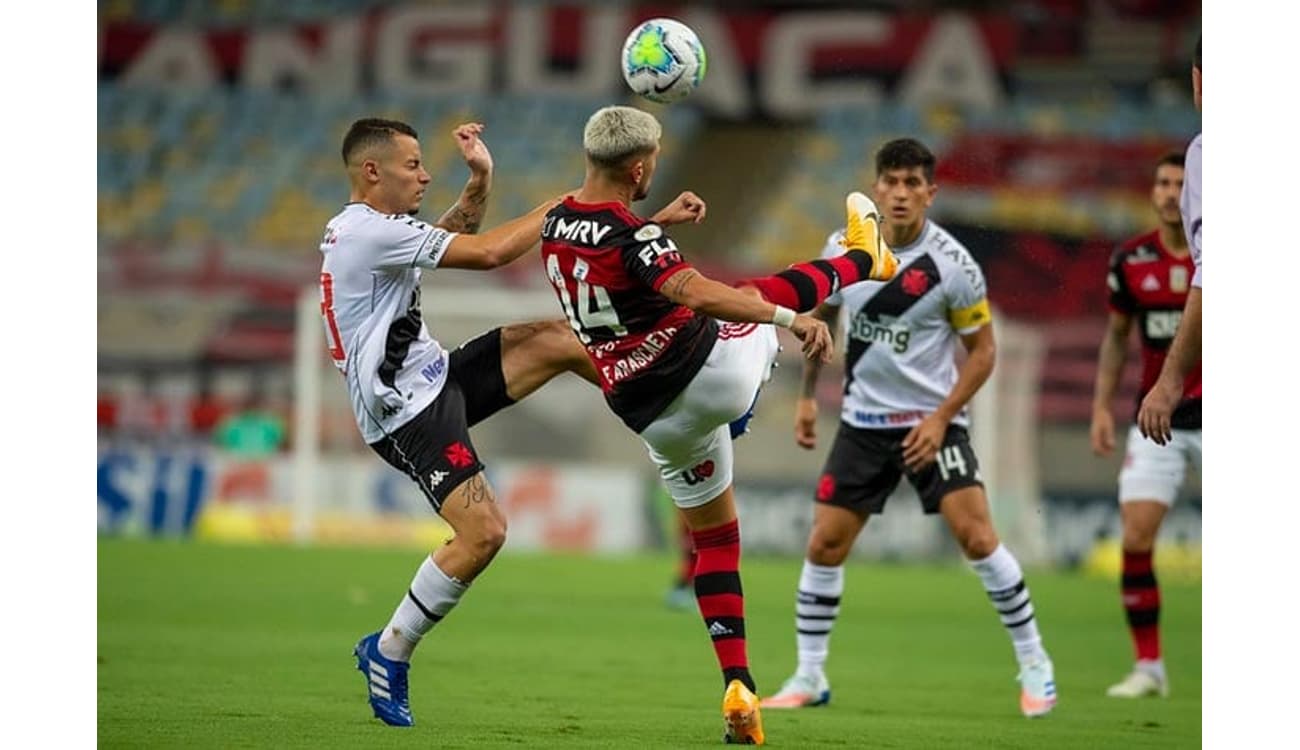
(488, 535)
(1138, 538)
(1140, 520)
(977, 540)
(560, 345)
(829, 549)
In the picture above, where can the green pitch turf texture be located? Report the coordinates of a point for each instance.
(206, 646)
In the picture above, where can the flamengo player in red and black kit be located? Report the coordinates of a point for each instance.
(670, 370)
(1149, 280)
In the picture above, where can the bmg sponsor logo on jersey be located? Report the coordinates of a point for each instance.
(864, 329)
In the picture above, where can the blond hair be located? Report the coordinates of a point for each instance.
(615, 133)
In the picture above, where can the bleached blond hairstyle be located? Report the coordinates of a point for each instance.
(615, 133)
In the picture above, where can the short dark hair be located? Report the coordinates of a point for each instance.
(1173, 158)
(373, 131)
(1196, 57)
(905, 153)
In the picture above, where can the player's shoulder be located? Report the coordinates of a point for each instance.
(358, 222)
(946, 249)
(611, 213)
(1139, 249)
(598, 224)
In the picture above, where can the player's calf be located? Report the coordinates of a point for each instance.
(804, 286)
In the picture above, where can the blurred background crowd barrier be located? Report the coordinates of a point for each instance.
(219, 127)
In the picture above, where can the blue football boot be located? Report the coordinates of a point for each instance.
(385, 681)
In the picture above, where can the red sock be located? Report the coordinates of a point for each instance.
(722, 603)
(686, 563)
(1142, 604)
(804, 286)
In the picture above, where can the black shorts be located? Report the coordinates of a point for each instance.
(434, 448)
(865, 466)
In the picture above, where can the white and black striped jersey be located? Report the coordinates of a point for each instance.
(370, 305)
(903, 334)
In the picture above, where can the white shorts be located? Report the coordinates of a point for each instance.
(690, 441)
(1156, 472)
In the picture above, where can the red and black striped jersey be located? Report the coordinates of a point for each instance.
(606, 265)
(1150, 284)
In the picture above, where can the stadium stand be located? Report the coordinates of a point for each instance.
(211, 207)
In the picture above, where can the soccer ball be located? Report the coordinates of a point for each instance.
(663, 60)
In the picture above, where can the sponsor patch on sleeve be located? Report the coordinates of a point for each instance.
(649, 232)
(436, 245)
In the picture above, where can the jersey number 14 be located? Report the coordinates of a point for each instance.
(590, 307)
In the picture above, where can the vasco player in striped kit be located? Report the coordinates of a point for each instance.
(414, 401)
(1149, 279)
(670, 370)
(904, 415)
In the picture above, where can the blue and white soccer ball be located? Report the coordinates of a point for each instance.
(663, 60)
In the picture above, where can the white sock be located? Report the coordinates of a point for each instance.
(1005, 584)
(816, 607)
(432, 595)
(1153, 667)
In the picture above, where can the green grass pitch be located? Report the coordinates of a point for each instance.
(204, 646)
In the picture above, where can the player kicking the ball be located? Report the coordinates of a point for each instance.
(681, 357)
(414, 402)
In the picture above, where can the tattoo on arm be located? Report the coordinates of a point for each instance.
(477, 490)
(678, 283)
(466, 214)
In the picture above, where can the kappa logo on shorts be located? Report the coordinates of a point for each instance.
(698, 473)
(458, 455)
(436, 477)
(825, 487)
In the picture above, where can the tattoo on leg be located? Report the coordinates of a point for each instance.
(477, 491)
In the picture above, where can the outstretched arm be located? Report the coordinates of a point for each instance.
(690, 288)
(466, 215)
(498, 245)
